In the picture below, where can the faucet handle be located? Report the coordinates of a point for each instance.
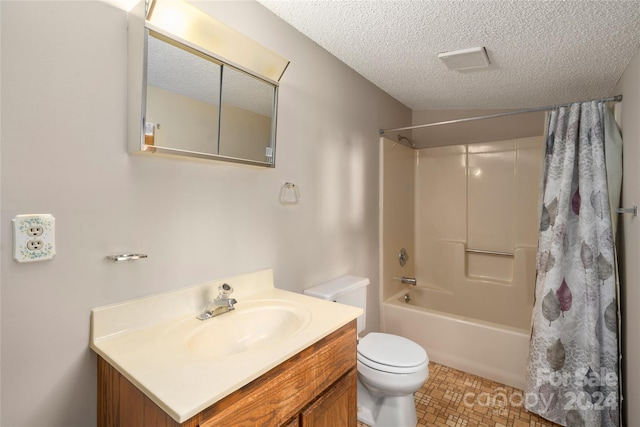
(224, 290)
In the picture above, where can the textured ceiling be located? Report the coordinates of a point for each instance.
(542, 52)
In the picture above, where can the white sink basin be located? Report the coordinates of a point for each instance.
(251, 326)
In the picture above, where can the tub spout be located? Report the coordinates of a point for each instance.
(407, 280)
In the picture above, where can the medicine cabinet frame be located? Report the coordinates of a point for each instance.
(139, 31)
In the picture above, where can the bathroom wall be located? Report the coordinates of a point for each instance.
(629, 240)
(64, 152)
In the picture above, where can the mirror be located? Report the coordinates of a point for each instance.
(198, 106)
(183, 98)
(246, 119)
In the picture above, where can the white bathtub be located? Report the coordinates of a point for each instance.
(479, 347)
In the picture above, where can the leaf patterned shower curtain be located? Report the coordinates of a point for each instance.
(572, 371)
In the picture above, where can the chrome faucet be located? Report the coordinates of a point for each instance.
(409, 280)
(221, 304)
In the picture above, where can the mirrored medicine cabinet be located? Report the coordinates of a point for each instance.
(186, 100)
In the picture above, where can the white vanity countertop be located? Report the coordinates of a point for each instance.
(146, 341)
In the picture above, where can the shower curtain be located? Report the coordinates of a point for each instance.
(572, 370)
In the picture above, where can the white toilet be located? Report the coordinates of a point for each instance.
(390, 368)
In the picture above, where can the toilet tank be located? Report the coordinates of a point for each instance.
(349, 290)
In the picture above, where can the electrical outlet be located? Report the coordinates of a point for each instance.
(35, 245)
(33, 237)
(35, 230)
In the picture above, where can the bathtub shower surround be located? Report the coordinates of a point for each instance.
(476, 227)
(472, 210)
(572, 372)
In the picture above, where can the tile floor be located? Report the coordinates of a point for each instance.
(451, 398)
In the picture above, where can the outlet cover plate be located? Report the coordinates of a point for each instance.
(34, 231)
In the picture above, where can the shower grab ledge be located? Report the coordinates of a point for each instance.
(482, 251)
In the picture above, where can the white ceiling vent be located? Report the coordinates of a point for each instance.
(465, 59)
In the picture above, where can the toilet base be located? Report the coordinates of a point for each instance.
(385, 411)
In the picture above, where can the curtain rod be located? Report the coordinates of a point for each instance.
(616, 98)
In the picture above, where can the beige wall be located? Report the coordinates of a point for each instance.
(64, 152)
(629, 243)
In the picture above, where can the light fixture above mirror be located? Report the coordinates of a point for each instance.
(189, 23)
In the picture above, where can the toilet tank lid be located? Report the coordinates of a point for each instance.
(337, 287)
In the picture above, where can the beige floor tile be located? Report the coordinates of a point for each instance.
(452, 398)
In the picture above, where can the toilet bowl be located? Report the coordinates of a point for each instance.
(390, 368)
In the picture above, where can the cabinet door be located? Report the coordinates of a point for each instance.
(338, 406)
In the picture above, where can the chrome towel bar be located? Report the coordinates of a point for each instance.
(633, 210)
(126, 257)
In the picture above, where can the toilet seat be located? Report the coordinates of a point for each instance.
(391, 353)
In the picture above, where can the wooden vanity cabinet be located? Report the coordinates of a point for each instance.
(336, 407)
(315, 388)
